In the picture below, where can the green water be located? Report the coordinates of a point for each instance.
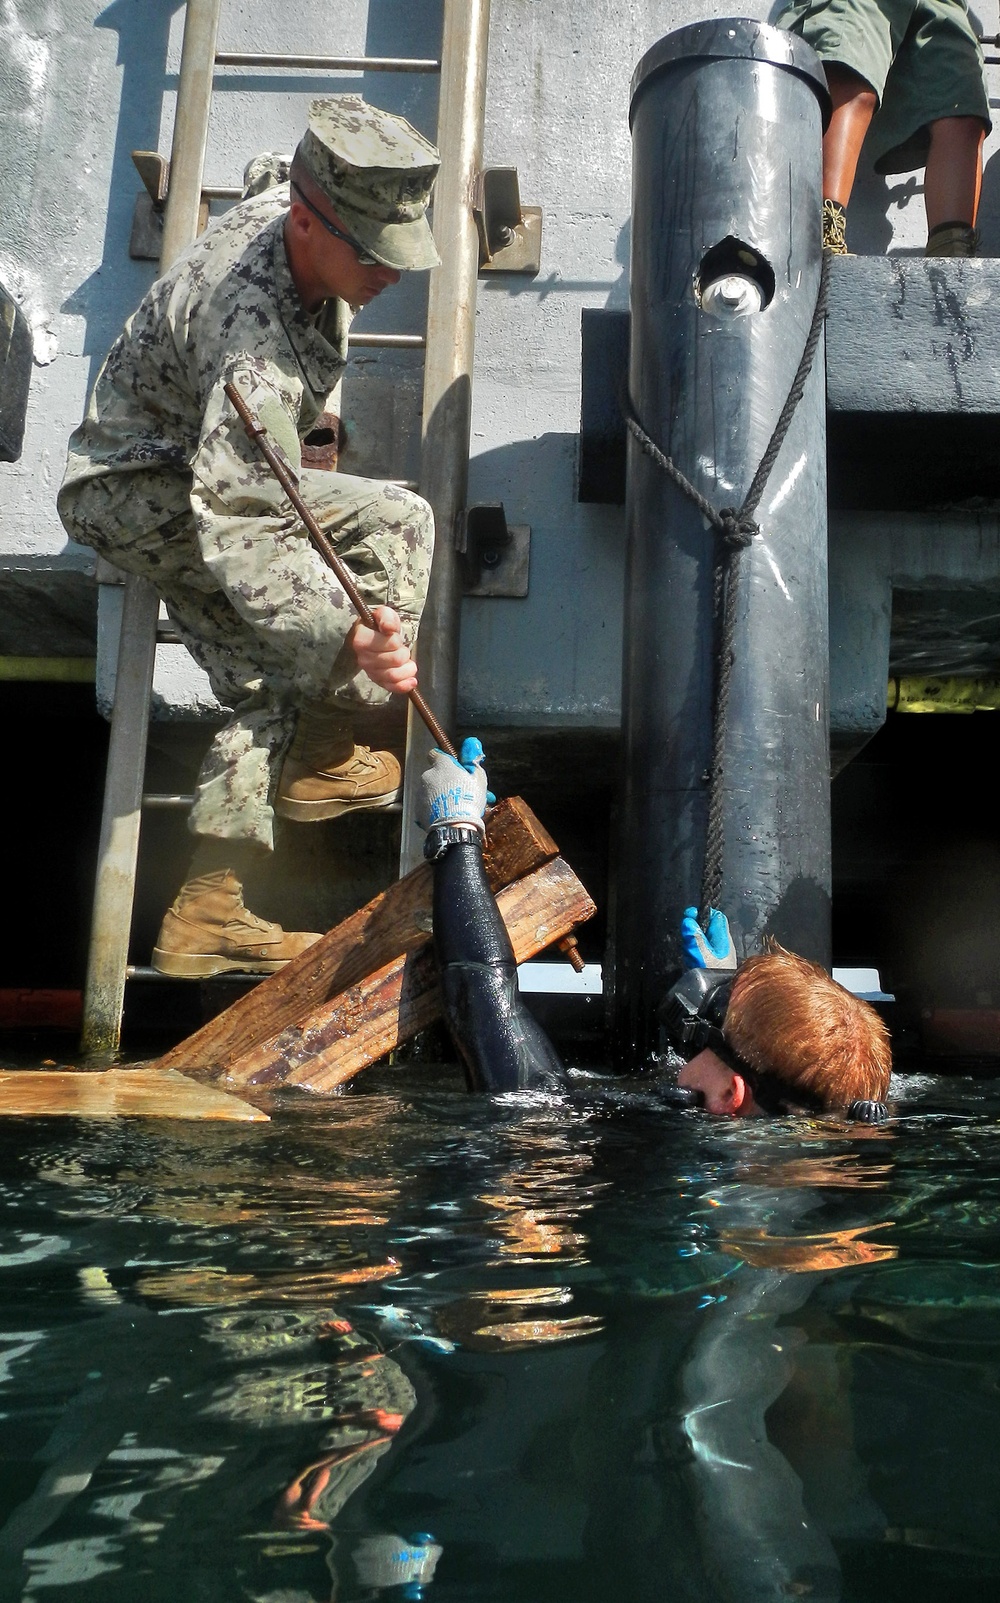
(581, 1352)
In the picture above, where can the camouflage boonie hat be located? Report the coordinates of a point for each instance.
(378, 173)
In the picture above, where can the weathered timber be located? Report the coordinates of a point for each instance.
(146, 1093)
(392, 924)
(369, 1019)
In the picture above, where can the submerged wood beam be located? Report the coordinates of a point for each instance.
(389, 1006)
(392, 924)
(147, 1093)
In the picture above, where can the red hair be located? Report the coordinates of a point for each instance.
(787, 1017)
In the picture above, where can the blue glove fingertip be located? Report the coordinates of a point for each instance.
(718, 928)
(471, 753)
(707, 948)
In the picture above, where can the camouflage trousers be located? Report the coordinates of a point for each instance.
(265, 618)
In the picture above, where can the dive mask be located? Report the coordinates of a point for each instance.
(694, 1010)
(691, 1018)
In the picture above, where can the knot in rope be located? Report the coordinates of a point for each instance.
(737, 528)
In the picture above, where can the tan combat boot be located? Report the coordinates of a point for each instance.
(835, 229)
(952, 239)
(209, 931)
(326, 774)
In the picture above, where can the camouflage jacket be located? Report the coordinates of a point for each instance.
(228, 309)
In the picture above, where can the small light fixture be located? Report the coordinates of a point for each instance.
(733, 280)
(732, 295)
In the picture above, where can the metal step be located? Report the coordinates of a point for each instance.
(143, 971)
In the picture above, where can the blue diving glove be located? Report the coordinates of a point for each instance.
(454, 791)
(707, 949)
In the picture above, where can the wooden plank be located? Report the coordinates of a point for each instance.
(393, 923)
(147, 1093)
(369, 1019)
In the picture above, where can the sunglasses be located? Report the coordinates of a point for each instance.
(365, 259)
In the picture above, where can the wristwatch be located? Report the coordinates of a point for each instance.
(444, 835)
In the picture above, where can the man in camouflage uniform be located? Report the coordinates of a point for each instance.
(162, 480)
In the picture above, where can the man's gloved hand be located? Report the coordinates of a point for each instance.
(454, 791)
(707, 949)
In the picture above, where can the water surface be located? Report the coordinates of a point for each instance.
(514, 1350)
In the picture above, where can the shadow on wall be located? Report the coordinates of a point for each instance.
(556, 654)
(111, 293)
(874, 199)
(869, 230)
(413, 30)
(989, 209)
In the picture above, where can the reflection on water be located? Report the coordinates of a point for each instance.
(411, 1343)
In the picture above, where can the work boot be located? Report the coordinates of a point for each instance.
(835, 228)
(209, 931)
(952, 239)
(326, 774)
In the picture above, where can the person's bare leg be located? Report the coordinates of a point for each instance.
(854, 106)
(954, 174)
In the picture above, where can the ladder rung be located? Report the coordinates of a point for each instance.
(163, 801)
(239, 58)
(388, 342)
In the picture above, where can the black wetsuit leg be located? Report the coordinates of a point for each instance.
(501, 1045)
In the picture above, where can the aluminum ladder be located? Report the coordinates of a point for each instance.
(445, 433)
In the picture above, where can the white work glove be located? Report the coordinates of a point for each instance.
(453, 791)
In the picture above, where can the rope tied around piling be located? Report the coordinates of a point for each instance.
(736, 528)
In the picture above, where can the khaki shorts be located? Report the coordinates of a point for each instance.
(921, 57)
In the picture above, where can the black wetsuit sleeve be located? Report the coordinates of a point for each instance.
(502, 1047)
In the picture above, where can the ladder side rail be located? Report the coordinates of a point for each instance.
(447, 403)
(190, 137)
(118, 850)
(104, 995)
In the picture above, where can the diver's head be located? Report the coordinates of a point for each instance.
(779, 1036)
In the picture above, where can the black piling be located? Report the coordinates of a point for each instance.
(727, 120)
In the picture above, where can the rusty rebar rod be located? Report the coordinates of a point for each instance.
(257, 433)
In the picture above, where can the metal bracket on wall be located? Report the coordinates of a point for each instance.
(146, 238)
(510, 235)
(495, 553)
(16, 353)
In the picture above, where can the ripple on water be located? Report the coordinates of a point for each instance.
(562, 1338)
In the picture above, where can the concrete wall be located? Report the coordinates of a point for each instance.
(82, 85)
